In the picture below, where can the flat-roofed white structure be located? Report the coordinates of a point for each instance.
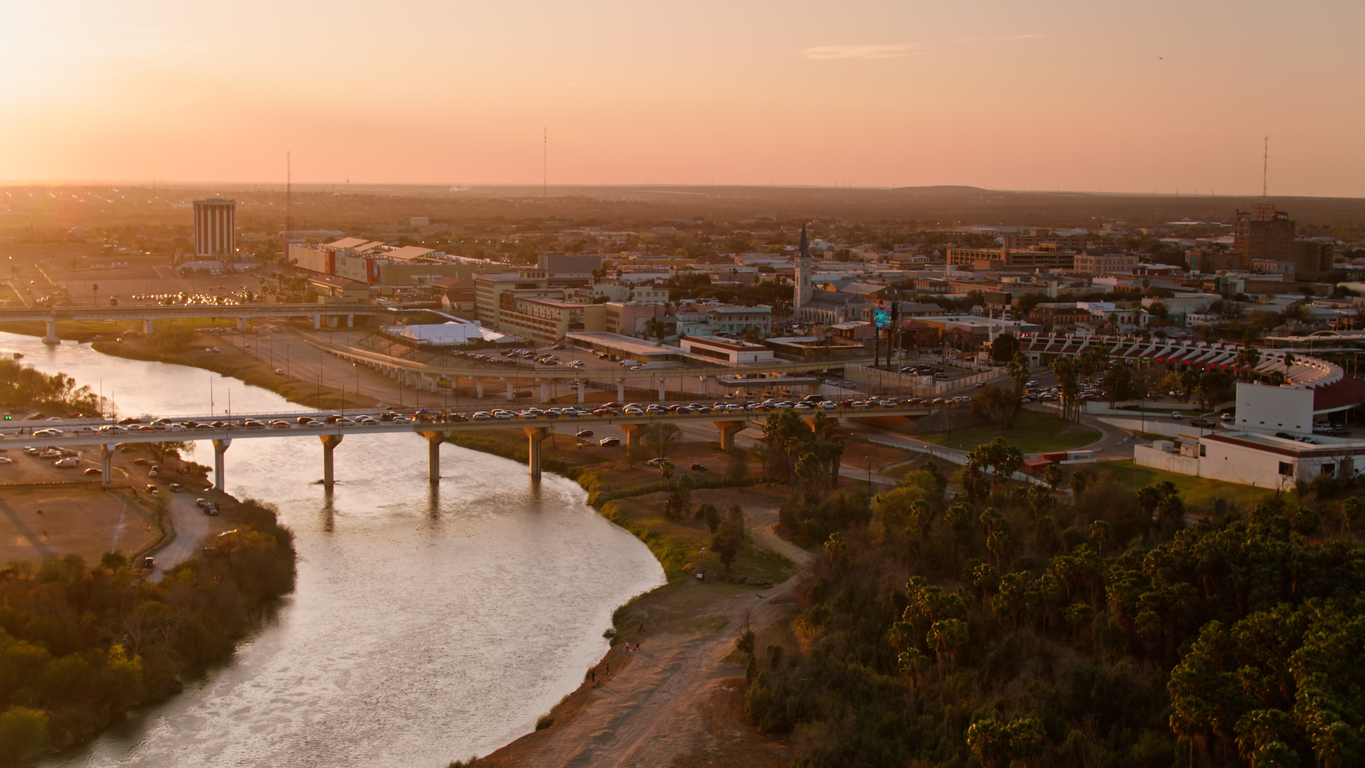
(727, 350)
(1265, 461)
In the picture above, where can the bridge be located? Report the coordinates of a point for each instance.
(80, 432)
(242, 313)
(414, 373)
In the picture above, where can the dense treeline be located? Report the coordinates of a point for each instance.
(1012, 626)
(22, 386)
(79, 644)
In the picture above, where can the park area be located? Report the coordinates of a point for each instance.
(1029, 431)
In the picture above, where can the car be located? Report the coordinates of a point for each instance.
(654, 462)
(94, 471)
(1208, 423)
(1227, 416)
(149, 563)
(177, 488)
(608, 442)
(151, 488)
(1284, 435)
(201, 502)
(699, 468)
(1306, 439)
(211, 509)
(583, 433)
(6, 460)
(1175, 416)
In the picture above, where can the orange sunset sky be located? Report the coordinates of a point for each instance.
(1134, 96)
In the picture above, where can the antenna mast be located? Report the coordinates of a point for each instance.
(1265, 165)
(288, 200)
(544, 162)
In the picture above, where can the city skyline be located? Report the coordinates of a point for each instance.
(1059, 95)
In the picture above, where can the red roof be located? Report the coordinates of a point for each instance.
(1341, 394)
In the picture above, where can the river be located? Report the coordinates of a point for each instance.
(427, 625)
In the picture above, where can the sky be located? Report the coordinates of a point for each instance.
(1096, 95)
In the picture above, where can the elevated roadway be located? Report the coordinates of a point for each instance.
(149, 314)
(80, 432)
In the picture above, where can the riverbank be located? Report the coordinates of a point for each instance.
(231, 361)
(670, 691)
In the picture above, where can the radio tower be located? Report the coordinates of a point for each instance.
(288, 201)
(1265, 165)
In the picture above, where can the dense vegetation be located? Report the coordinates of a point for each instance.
(79, 644)
(1012, 625)
(22, 386)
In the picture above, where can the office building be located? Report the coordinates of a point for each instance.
(1263, 234)
(215, 228)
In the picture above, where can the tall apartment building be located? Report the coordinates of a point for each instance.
(1263, 234)
(215, 227)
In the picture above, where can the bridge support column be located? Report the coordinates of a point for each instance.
(350, 321)
(242, 324)
(433, 383)
(433, 455)
(478, 388)
(633, 433)
(220, 447)
(147, 326)
(728, 430)
(317, 322)
(620, 390)
(106, 466)
(534, 437)
(329, 444)
(662, 393)
(544, 392)
(51, 337)
(578, 385)
(510, 394)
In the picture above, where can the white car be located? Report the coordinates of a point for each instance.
(6, 460)
(1175, 416)
(70, 462)
(483, 416)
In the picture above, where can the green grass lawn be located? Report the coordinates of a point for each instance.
(1030, 432)
(1195, 490)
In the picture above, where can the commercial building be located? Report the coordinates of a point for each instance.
(548, 320)
(569, 264)
(1101, 262)
(215, 227)
(984, 259)
(1210, 261)
(727, 350)
(1252, 459)
(1263, 233)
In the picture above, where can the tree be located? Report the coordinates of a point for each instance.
(23, 734)
(666, 469)
(995, 403)
(95, 293)
(1053, 476)
(164, 448)
(1004, 348)
(1077, 483)
(729, 537)
(662, 438)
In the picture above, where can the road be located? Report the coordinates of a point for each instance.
(191, 527)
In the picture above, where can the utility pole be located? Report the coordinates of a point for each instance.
(1265, 165)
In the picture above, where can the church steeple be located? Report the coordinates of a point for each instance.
(805, 247)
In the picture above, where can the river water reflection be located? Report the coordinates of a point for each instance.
(428, 623)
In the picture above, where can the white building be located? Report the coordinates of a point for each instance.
(1265, 461)
(727, 350)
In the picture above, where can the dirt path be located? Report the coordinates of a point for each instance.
(675, 701)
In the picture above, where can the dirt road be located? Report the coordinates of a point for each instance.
(676, 701)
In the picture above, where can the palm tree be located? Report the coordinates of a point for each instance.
(666, 472)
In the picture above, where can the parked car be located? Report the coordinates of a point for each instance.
(699, 468)
(608, 442)
(1175, 416)
(583, 433)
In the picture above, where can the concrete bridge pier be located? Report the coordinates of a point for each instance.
(242, 324)
(220, 446)
(317, 322)
(329, 444)
(633, 433)
(620, 390)
(51, 336)
(534, 437)
(147, 327)
(106, 466)
(578, 385)
(350, 321)
(728, 430)
(662, 393)
(510, 394)
(478, 388)
(433, 383)
(433, 455)
(544, 391)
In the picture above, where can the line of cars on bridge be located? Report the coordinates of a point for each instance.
(810, 403)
